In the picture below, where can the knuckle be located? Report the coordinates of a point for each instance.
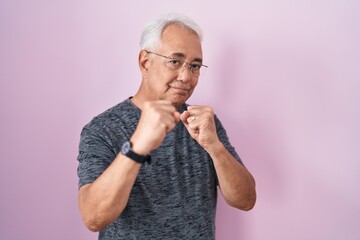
(208, 109)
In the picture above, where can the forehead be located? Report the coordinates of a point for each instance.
(178, 39)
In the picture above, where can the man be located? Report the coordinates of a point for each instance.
(150, 166)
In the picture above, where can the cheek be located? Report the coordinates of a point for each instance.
(161, 76)
(157, 80)
(194, 82)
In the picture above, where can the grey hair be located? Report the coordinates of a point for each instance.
(152, 31)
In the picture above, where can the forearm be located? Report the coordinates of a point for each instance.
(236, 183)
(102, 201)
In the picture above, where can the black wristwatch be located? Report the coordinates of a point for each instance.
(126, 150)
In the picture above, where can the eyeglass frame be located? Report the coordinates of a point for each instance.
(184, 64)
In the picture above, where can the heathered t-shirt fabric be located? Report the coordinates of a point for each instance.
(174, 197)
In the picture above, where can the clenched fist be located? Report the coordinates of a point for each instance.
(199, 121)
(157, 119)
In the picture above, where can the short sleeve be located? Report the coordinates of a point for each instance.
(95, 155)
(225, 139)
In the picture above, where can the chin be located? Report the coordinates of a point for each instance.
(177, 102)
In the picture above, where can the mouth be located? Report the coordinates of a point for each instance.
(182, 90)
(180, 87)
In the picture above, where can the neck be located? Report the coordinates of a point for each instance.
(138, 101)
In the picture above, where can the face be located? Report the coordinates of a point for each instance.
(160, 81)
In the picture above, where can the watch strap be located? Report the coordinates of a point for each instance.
(127, 151)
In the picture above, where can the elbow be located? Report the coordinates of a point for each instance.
(93, 224)
(249, 202)
(248, 206)
(92, 219)
(248, 198)
(97, 215)
(93, 227)
(243, 203)
(96, 222)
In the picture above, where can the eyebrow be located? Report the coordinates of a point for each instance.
(181, 55)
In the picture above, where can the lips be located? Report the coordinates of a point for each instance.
(180, 87)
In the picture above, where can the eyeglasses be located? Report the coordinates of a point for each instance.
(175, 64)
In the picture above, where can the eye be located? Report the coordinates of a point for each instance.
(175, 62)
(195, 66)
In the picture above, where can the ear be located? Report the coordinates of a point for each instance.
(144, 61)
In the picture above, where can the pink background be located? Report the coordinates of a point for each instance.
(284, 77)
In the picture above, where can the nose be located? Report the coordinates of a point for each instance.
(184, 73)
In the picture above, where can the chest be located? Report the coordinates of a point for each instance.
(179, 166)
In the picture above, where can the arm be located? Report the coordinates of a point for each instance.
(236, 183)
(103, 200)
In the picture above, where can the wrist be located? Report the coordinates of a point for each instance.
(139, 146)
(128, 151)
(215, 148)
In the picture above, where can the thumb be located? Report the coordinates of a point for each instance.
(177, 116)
(184, 116)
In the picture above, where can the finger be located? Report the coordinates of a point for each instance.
(176, 116)
(191, 118)
(184, 116)
(194, 109)
(192, 123)
(161, 104)
(170, 120)
(168, 108)
(193, 112)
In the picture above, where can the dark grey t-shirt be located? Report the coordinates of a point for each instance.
(174, 197)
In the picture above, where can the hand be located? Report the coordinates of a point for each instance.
(157, 119)
(200, 123)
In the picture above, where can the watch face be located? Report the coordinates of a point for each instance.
(125, 148)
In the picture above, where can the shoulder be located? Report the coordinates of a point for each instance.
(122, 112)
